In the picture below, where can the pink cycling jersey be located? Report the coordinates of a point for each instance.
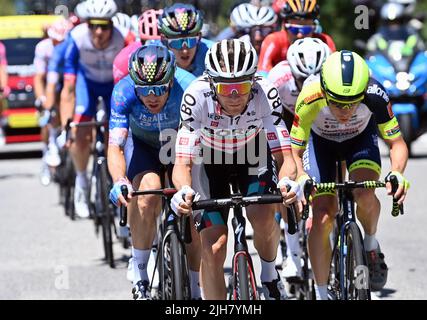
(120, 64)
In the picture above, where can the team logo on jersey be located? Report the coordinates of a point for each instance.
(375, 89)
(214, 124)
(390, 110)
(183, 141)
(285, 134)
(271, 136)
(313, 97)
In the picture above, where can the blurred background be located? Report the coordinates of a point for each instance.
(337, 16)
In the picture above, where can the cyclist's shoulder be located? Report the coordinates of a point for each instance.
(281, 71)
(206, 43)
(277, 37)
(183, 78)
(376, 95)
(44, 45)
(199, 90)
(311, 95)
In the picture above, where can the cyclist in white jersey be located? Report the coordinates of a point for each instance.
(224, 114)
(43, 53)
(304, 60)
(88, 75)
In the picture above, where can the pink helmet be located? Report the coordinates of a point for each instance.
(59, 29)
(147, 25)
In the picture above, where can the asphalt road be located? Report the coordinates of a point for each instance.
(45, 255)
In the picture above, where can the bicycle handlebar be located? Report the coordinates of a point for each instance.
(167, 192)
(348, 185)
(240, 201)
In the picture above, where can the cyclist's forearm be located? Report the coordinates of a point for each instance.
(288, 167)
(39, 86)
(68, 97)
(398, 154)
(181, 175)
(116, 162)
(3, 77)
(298, 154)
(50, 95)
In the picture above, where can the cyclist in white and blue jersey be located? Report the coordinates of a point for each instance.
(88, 75)
(180, 26)
(143, 104)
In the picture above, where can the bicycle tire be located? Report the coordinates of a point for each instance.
(242, 290)
(102, 192)
(355, 258)
(173, 281)
(70, 178)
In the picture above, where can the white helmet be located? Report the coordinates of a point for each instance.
(241, 63)
(306, 56)
(101, 9)
(263, 16)
(240, 16)
(409, 5)
(122, 22)
(80, 10)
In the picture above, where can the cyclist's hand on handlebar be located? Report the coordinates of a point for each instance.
(116, 196)
(295, 193)
(182, 200)
(402, 189)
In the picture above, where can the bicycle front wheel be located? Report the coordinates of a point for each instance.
(354, 265)
(244, 281)
(175, 284)
(106, 212)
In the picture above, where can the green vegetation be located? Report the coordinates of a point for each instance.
(7, 7)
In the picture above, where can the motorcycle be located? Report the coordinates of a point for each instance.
(401, 67)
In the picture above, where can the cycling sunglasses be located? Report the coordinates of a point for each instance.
(158, 90)
(94, 26)
(178, 43)
(238, 88)
(297, 28)
(265, 31)
(343, 104)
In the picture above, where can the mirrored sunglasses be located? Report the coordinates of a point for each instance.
(158, 90)
(228, 89)
(178, 43)
(297, 28)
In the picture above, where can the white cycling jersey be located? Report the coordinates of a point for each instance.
(81, 55)
(281, 76)
(42, 54)
(203, 120)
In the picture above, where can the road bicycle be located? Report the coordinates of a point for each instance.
(173, 235)
(349, 273)
(243, 282)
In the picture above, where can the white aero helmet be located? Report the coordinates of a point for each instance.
(241, 62)
(122, 21)
(241, 16)
(306, 56)
(99, 9)
(392, 11)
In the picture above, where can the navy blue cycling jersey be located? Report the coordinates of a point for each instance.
(128, 111)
